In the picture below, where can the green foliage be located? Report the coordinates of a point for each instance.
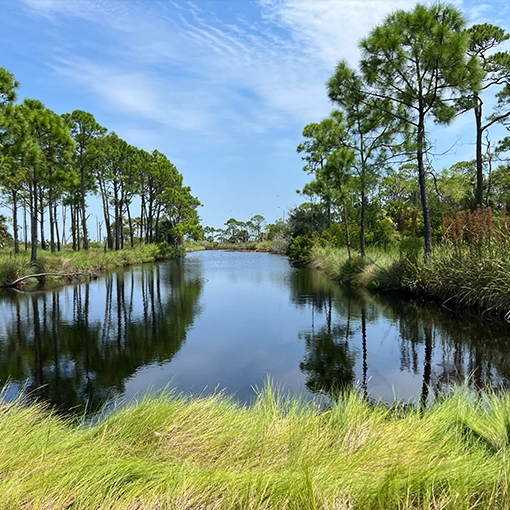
(254, 230)
(307, 218)
(411, 249)
(47, 160)
(300, 249)
(484, 40)
(167, 251)
(8, 87)
(406, 63)
(383, 234)
(333, 236)
(5, 236)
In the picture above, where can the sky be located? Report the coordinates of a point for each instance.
(224, 88)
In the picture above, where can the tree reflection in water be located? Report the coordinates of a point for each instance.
(329, 362)
(443, 348)
(64, 351)
(76, 347)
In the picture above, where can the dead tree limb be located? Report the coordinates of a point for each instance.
(40, 275)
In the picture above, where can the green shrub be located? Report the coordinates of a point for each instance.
(300, 250)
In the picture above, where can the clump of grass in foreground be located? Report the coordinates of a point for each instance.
(182, 453)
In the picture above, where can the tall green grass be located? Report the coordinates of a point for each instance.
(476, 281)
(471, 266)
(181, 453)
(88, 263)
(457, 275)
(355, 271)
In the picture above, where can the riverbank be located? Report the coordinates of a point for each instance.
(181, 453)
(68, 265)
(454, 279)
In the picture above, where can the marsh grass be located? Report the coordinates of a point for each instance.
(176, 452)
(458, 274)
(471, 267)
(355, 271)
(477, 281)
(13, 267)
(89, 263)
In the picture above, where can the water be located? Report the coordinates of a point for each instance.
(221, 321)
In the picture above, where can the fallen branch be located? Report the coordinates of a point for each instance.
(40, 275)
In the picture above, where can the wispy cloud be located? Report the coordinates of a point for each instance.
(139, 94)
(495, 12)
(185, 67)
(182, 67)
(329, 30)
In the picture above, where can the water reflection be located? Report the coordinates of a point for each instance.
(360, 333)
(329, 361)
(228, 320)
(76, 346)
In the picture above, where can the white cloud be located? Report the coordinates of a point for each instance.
(186, 69)
(140, 95)
(181, 66)
(330, 30)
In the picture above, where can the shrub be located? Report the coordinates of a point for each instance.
(300, 250)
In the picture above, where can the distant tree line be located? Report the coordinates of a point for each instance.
(237, 231)
(50, 164)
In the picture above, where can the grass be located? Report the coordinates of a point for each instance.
(181, 453)
(355, 271)
(89, 263)
(476, 280)
(467, 278)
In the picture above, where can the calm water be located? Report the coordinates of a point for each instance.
(227, 321)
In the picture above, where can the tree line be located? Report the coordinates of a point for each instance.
(371, 159)
(50, 164)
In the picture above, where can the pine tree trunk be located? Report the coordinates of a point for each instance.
(15, 221)
(41, 221)
(423, 187)
(347, 234)
(33, 220)
(479, 155)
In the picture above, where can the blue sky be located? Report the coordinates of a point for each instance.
(222, 87)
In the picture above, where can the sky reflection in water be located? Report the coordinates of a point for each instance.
(219, 321)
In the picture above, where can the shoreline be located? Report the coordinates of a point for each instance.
(67, 266)
(462, 284)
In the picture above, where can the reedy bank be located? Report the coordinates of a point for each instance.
(465, 276)
(85, 264)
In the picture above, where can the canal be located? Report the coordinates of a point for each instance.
(226, 322)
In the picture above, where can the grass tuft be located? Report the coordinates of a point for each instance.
(172, 451)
